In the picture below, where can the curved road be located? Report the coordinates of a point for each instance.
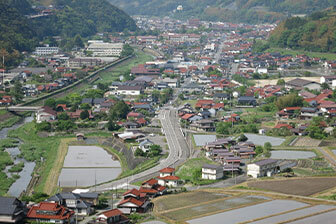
(178, 152)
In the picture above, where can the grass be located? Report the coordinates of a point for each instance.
(34, 148)
(3, 112)
(9, 122)
(288, 140)
(107, 77)
(51, 182)
(8, 143)
(329, 56)
(190, 171)
(17, 168)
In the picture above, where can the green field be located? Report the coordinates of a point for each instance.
(36, 147)
(191, 171)
(328, 56)
(140, 58)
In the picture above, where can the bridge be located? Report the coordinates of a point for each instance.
(23, 109)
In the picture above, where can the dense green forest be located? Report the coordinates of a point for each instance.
(250, 11)
(314, 33)
(72, 18)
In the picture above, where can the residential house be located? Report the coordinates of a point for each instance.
(248, 101)
(12, 210)
(266, 167)
(48, 212)
(113, 216)
(82, 203)
(129, 90)
(310, 112)
(203, 125)
(302, 84)
(153, 184)
(145, 145)
(212, 172)
(167, 177)
(45, 114)
(134, 201)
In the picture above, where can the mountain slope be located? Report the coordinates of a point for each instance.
(225, 10)
(314, 33)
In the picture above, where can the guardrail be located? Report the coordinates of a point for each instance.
(87, 78)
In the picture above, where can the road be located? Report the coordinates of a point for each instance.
(178, 152)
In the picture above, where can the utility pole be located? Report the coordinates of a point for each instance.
(3, 72)
(112, 199)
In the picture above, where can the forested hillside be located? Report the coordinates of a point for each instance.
(314, 33)
(251, 11)
(69, 19)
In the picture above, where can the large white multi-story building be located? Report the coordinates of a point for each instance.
(46, 50)
(105, 49)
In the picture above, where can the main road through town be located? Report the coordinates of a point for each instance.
(178, 152)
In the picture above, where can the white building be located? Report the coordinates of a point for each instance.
(45, 114)
(212, 172)
(266, 167)
(46, 50)
(105, 49)
(167, 178)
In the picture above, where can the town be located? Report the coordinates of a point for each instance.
(185, 121)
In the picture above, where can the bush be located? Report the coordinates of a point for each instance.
(43, 126)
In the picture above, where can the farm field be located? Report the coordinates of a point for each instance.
(238, 206)
(302, 187)
(325, 218)
(284, 154)
(219, 205)
(251, 212)
(295, 214)
(196, 197)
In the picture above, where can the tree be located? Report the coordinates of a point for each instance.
(63, 116)
(78, 42)
(17, 91)
(242, 138)
(65, 126)
(259, 150)
(223, 128)
(85, 106)
(127, 51)
(139, 152)
(119, 110)
(291, 100)
(112, 126)
(154, 150)
(267, 147)
(84, 114)
(281, 82)
(43, 126)
(51, 102)
(325, 86)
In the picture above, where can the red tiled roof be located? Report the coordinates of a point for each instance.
(62, 212)
(150, 182)
(133, 201)
(132, 191)
(112, 213)
(146, 190)
(169, 178)
(283, 126)
(167, 170)
(187, 116)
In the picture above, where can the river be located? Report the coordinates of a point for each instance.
(20, 184)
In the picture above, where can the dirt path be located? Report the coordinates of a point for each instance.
(55, 171)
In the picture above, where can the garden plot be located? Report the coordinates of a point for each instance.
(215, 206)
(262, 139)
(303, 187)
(284, 154)
(187, 199)
(202, 140)
(86, 166)
(295, 214)
(251, 212)
(324, 218)
(89, 156)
